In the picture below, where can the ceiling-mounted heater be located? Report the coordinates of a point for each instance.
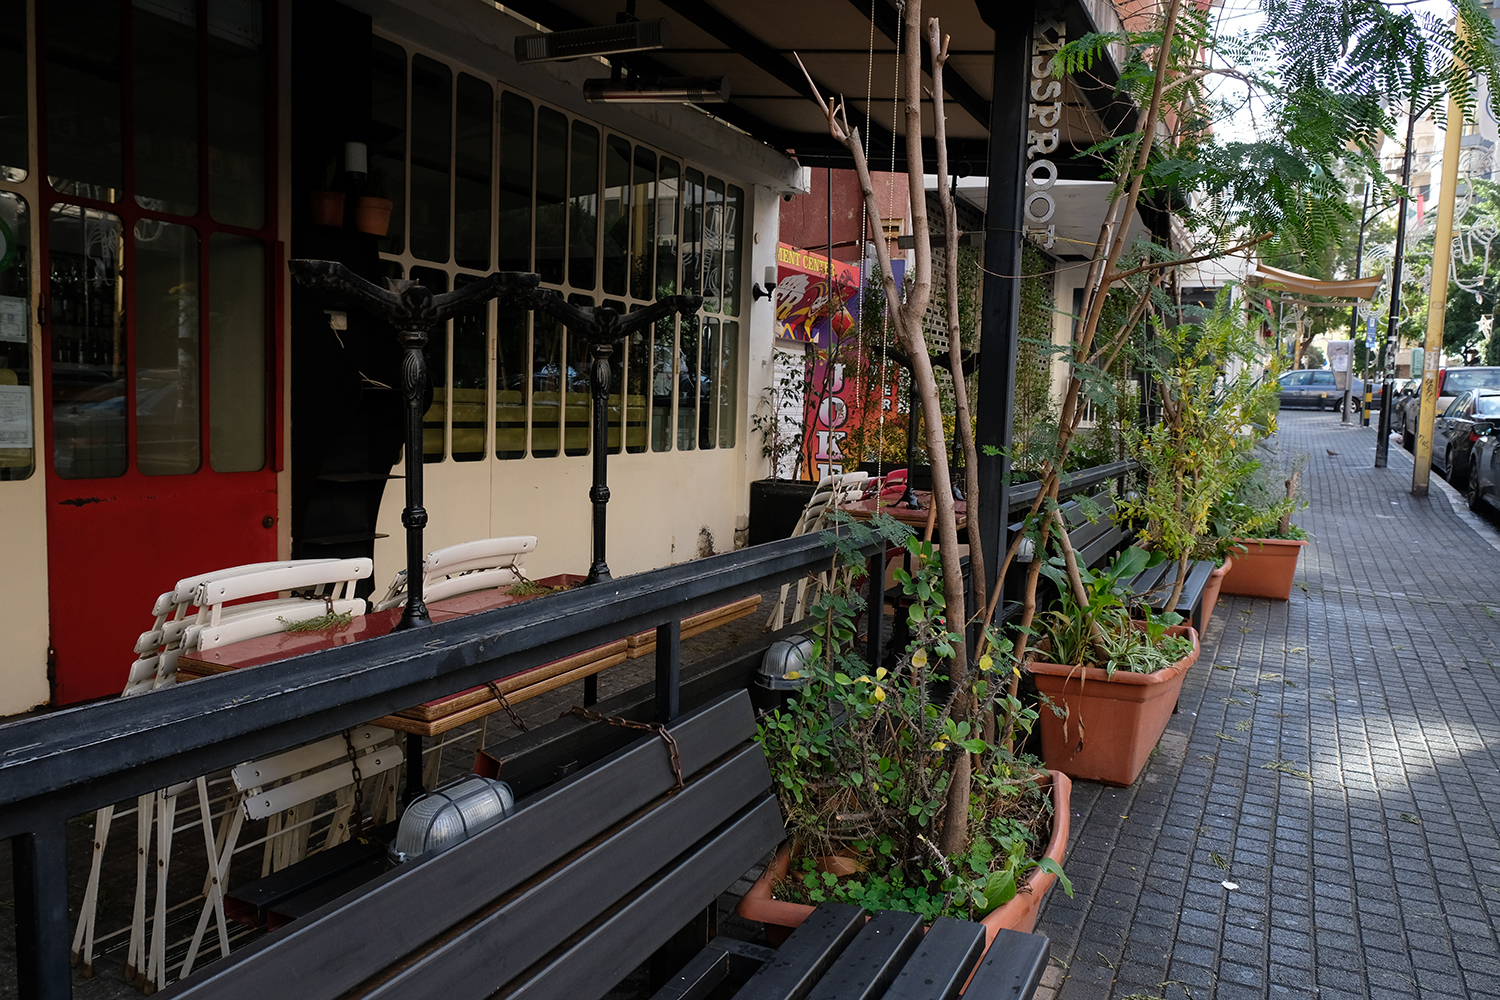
(605, 40)
(663, 90)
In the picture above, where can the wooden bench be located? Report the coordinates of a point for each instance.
(583, 882)
(1095, 543)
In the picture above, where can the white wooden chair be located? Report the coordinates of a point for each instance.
(466, 568)
(217, 621)
(284, 790)
(832, 492)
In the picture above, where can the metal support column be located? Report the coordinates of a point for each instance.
(39, 866)
(668, 670)
(1001, 312)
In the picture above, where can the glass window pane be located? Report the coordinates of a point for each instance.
(83, 99)
(551, 193)
(167, 373)
(643, 226)
(636, 366)
(729, 383)
(514, 194)
(663, 366)
(236, 353)
(17, 425)
(15, 83)
(431, 156)
(616, 386)
(666, 227)
(546, 385)
(510, 382)
(708, 405)
(687, 383)
(578, 399)
(87, 318)
(388, 137)
(583, 206)
(692, 234)
(713, 245)
(164, 94)
(471, 362)
(236, 114)
(472, 170)
(435, 419)
(616, 214)
(734, 213)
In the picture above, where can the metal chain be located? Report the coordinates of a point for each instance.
(651, 727)
(505, 704)
(357, 821)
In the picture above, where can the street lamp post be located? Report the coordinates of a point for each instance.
(415, 312)
(600, 327)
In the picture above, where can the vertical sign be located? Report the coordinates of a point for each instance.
(1043, 118)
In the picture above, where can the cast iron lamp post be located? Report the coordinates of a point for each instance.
(414, 311)
(600, 327)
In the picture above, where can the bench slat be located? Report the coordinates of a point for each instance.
(1098, 550)
(873, 960)
(942, 963)
(397, 912)
(616, 945)
(500, 945)
(1011, 968)
(803, 958)
(698, 978)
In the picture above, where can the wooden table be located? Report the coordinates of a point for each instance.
(866, 509)
(434, 717)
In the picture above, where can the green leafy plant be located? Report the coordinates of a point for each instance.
(1106, 631)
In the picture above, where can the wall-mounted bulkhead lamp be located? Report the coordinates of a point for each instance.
(662, 90)
(605, 40)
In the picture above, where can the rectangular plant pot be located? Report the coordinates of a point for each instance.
(1112, 724)
(1264, 569)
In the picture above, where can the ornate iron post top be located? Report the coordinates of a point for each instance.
(605, 324)
(408, 305)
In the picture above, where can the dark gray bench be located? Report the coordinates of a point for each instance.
(586, 880)
(1095, 543)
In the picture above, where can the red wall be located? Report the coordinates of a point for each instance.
(804, 219)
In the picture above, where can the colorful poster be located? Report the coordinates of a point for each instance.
(805, 309)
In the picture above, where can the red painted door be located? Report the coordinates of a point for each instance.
(159, 284)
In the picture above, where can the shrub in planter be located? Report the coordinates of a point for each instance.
(1254, 528)
(863, 757)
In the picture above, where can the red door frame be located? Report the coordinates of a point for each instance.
(114, 544)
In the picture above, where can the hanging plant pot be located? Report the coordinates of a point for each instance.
(327, 208)
(781, 918)
(1211, 591)
(1265, 568)
(1121, 717)
(373, 215)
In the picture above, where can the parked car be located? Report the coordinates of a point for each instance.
(1357, 395)
(1312, 387)
(1484, 471)
(1457, 428)
(1450, 383)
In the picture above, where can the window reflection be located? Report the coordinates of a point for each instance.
(687, 384)
(15, 90)
(546, 385)
(551, 193)
(236, 353)
(514, 194)
(667, 204)
(431, 156)
(470, 366)
(729, 383)
(663, 365)
(167, 431)
(583, 206)
(510, 381)
(17, 435)
(435, 420)
(734, 211)
(708, 405)
(474, 151)
(164, 92)
(388, 135)
(637, 378)
(83, 98)
(713, 244)
(236, 113)
(88, 343)
(643, 226)
(616, 246)
(692, 234)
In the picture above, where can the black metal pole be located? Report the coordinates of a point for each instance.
(414, 517)
(599, 491)
(1383, 434)
(39, 866)
(1001, 311)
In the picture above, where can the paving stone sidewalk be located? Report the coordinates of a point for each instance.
(1335, 758)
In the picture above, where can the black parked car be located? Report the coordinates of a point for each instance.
(1484, 471)
(1456, 429)
(1450, 383)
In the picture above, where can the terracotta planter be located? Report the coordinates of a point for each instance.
(1265, 568)
(1211, 591)
(1122, 717)
(327, 208)
(373, 215)
(781, 918)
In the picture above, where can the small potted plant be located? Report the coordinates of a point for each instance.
(372, 213)
(327, 204)
(1108, 675)
(862, 759)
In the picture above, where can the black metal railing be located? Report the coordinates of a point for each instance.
(71, 762)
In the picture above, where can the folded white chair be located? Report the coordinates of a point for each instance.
(832, 492)
(465, 568)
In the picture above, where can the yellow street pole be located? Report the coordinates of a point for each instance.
(1437, 304)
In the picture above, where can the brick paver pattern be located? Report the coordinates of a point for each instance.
(1334, 758)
